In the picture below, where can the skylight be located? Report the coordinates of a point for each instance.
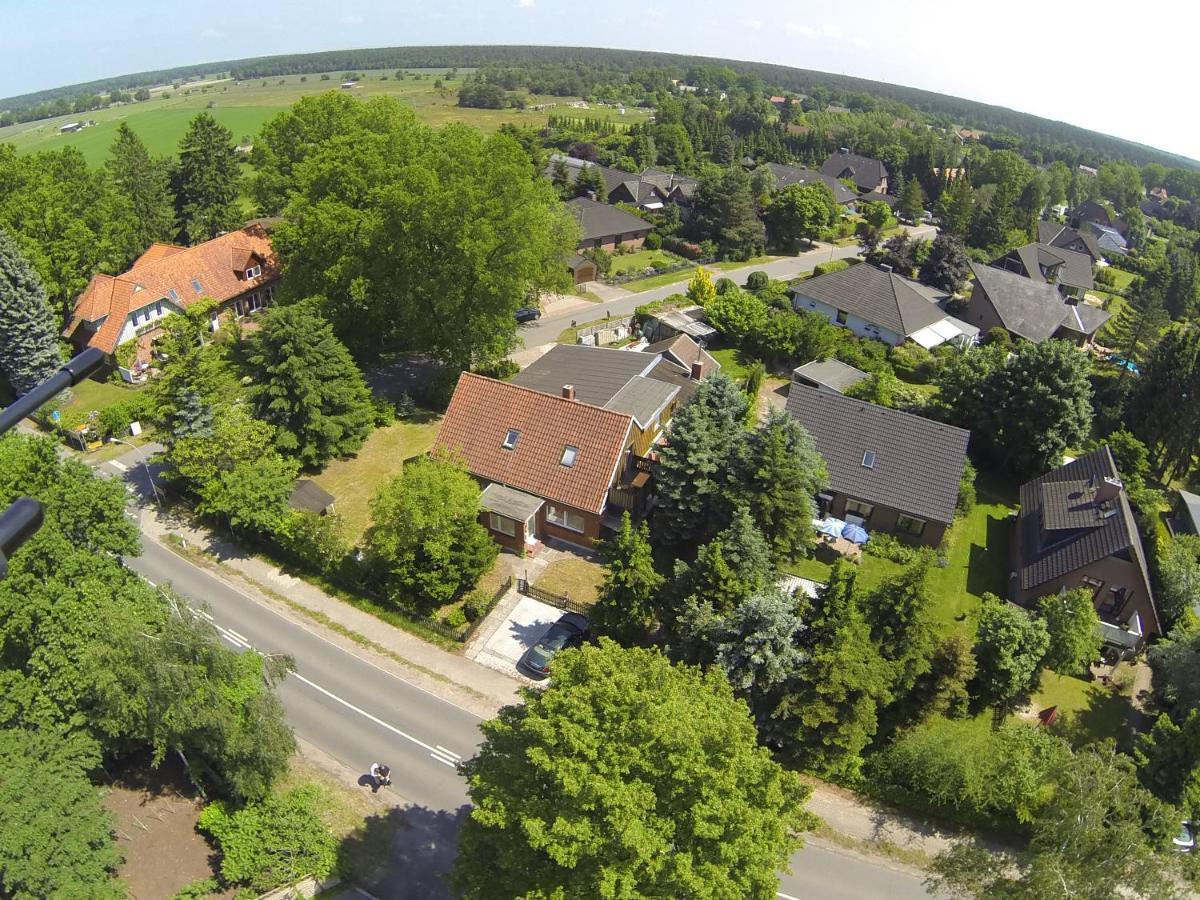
(196, 285)
(569, 454)
(869, 459)
(510, 439)
(173, 294)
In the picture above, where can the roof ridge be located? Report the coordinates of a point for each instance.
(560, 399)
(834, 397)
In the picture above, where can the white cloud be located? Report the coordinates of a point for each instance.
(807, 31)
(351, 20)
(651, 12)
(831, 31)
(753, 24)
(526, 4)
(212, 33)
(861, 43)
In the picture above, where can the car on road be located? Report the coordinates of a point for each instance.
(570, 630)
(528, 314)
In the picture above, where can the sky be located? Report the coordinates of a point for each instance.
(1119, 68)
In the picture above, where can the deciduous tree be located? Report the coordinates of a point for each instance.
(1074, 629)
(800, 212)
(1009, 648)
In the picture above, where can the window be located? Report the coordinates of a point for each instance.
(196, 285)
(564, 518)
(910, 525)
(174, 295)
(841, 317)
(1092, 584)
(868, 460)
(254, 271)
(135, 316)
(502, 524)
(857, 508)
(158, 308)
(569, 454)
(510, 439)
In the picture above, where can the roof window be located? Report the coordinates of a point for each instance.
(510, 439)
(196, 285)
(868, 460)
(569, 454)
(173, 294)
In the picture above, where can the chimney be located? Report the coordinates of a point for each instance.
(1108, 490)
(568, 392)
(697, 371)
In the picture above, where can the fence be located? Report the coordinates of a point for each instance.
(561, 601)
(679, 267)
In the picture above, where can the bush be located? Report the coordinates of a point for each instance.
(476, 606)
(312, 540)
(383, 412)
(757, 281)
(686, 249)
(886, 546)
(268, 844)
(835, 265)
(198, 890)
(602, 258)
(912, 362)
(653, 241)
(863, 353)
(502, 369)
(710, 248)
(725, 285)
(966, 490)
(406, 408)
(998, 336)
(456, 618)
(114, 420)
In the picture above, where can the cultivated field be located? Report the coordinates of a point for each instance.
(243, 107)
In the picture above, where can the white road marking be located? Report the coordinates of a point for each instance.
(451, 763)
(149, 582)
(433, 751)
(240, 637)
(783, 896)
(119, 466)
(203, 612)
(449, 753)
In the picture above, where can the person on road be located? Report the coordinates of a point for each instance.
(381, 776)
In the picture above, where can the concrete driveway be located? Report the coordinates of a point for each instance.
(517, 626)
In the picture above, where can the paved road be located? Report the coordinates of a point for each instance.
(359, 713)
(547, 329)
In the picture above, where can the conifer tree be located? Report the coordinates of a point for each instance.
(29, 351)
(206, 181)
(627, 597)
(144, 184)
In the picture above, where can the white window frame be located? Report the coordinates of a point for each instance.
(571, 451)
(904, 524)
(511, 436)
(253, 272)
(502, 524)
(859, 508)
(562, 516)
(842, 318)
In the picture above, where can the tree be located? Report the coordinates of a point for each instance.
(1168, 759)
(724, 211)
(145, 185)
(945, 688)
(897, 614)
(55, 835)
(432, 244)
(426, 542)
(739, 315)
(1176, 664)
(235, 438)
(1136, 327)
(947, 265)
(306, 384)
(1009, 648)
(1131, 456)
(956, 208)
(206, 181)
(1164, 406)
(1074, 629)
(728, 569)
(776, 471)
(29, 352)
(675, 151)
(911, 204)
(876, 213)
(897, 252)
(827, 715)
(1095, 840)
(627, 776)
(590, 181)
(628, 595)
(700, 288)
(690, 470)
(251, 494)
(800, 212)
(1178, 564)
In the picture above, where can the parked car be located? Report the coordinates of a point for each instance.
(528, 314)
(1185, 841)
(569, 631)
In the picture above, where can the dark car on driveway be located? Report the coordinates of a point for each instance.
(528, 314)
(569, 631)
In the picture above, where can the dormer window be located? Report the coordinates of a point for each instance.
(253, 272)
(569, 454)
(510, 439)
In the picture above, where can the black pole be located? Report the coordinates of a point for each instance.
(76, 369)
(18, 524)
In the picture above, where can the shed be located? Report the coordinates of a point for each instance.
(308, 496)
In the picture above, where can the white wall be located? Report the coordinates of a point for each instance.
(129, 330)
(856, 324)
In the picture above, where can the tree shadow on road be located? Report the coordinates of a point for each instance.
(404, 853)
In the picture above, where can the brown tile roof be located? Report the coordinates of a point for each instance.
(216, 265)
(483, 410)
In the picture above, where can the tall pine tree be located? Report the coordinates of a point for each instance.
(29, 350)
(1164, 410)
(629, 592)
(206, 181)
(144, 185)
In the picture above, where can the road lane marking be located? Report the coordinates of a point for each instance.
(449, 753)
(119, 466)
(151, 583)
(378, 721)
(240, 637)
(784, 896)
(449, 762)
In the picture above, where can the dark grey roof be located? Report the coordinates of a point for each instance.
(1191, 506)
(882, 298)
(876, 197)
(1058, 235)
(599, 220)
(509, 502)
(866, 172)
(785, 176)
(597, 373)
(1106, 238)
(670, 182)
(1081, 531)
(643, 398)
(1031, 309)
(918, 462)
(829, 373)
(310, 496)
(1074, 269)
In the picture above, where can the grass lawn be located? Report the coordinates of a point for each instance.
(577, 578)
(871, 570)
(1123, 279)
(733, 363)
(1088, 710)
(354, 481)
(627, 263)
(91, 394)
(682, 277)
(730, 264)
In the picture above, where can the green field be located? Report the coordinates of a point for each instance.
(243, 107)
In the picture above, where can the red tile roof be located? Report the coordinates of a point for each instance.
(483, 410)
(217, 266)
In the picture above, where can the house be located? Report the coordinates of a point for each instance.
(888, 470)
(619, 186)
(678, 189)
(866, 173)
(1087, 170)
(686, 354)
(1055, 234)
(1091, 211)
(1185, 514)
(308, 496)
(551, 465)
(1076, 529)
(1069, 270)
(828, 375)
(877, 197)
(875, 302)
(1159, 193)
(1110, 240)
(238, 270)
(70, 127)
(786, 176)
(605, 227)
(1029, 309)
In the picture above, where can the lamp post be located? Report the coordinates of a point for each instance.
(145, 465)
